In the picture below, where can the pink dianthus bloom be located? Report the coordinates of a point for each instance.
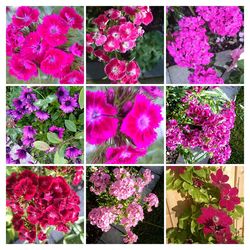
(141, 122)
(55, 61)
(123, 155)
(143, 15)
(222, 20)
(34, 47)
(53, 30)
(101, 121)
(21, 68)
(115, 69)
(73, 77)
(24, 16)
(72, 18)
(204, 76)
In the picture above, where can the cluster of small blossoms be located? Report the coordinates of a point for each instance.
(204, 128)
(124, 120)
(195, 53)
(26, 105)
(125, 202)
(40, 202)
(216, 220)
(41, 43)
(117, 33)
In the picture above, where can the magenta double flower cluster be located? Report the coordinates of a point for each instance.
(190, 46)
(117, 33)
(39, 202)
(124, 202)
(36, 43)
(124, 121)
(202, 126)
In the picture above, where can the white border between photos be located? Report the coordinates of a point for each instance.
(5, 3)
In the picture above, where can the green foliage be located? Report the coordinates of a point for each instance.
(149, 50)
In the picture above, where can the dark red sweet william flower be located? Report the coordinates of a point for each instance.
(38, 202)
(219, 179)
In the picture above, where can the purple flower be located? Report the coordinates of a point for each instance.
(41, 115)
(15, 114)
(68, 104)
(9, 159)
(73, 152)
(28, 98)
(29, 131)
(18, 103)
(59, 131)
(62, 93)
(27, 141)
(21, 153)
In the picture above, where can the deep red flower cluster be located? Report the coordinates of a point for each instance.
(34, 46)
(217, 221)
(39, 202)
(117, 32)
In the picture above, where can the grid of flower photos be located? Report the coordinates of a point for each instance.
(124, 124)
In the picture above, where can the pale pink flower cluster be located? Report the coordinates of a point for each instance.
(100, 181)
(152, 201)
(121, 192)
(102, 217)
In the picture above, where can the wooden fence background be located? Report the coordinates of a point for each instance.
(236, 178)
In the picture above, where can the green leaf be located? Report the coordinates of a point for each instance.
(53, 138)
(193, 226)
(79, 136)
(240, 64)
(81, 98)
(201, 173)
(187, 176)
(59, 159)
(41, 145)
(70, 125)
(72, 239)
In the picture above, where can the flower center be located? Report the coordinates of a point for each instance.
(68, 103)
(53, 29)
(125, 155)
(115, 70)
(216, 219)
(143, 122)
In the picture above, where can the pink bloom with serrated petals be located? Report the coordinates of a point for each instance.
(114, 32)
(101, 122)
(111, 44)
(72, 18)
(99, 38)
(21, 68)
(127, 45)
(128, 31)
(76, 49)
(143, 15)
(24, 16)
(74, 77)
(55, 61)
(115, 69)
(114, 14)
(34, 47)
(101, 21)
(101, 55)
(133, 72)
(123, 155)
(53, 30)
(141, 122)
